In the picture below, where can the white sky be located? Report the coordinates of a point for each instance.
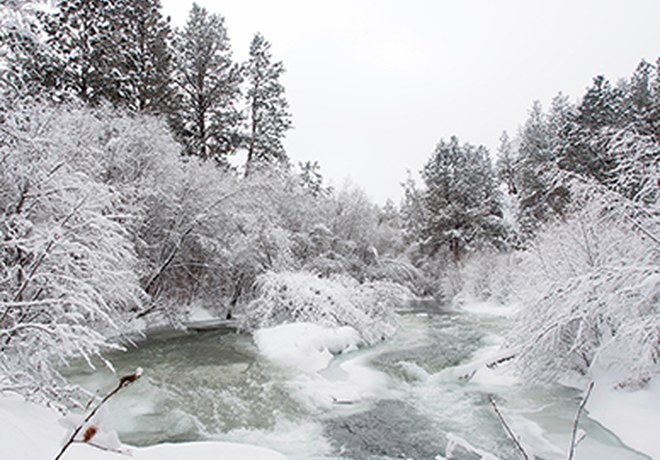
(374, 85)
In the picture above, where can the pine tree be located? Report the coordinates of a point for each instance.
(100, 50)
(268, 115)
(601, 108)
(87, 37)
(533, 165)
(26, 63)
(207, 84)
(146, 46)
(654, 116)
(463, 209)
(640, 88)
(506, 164)
(311, 179)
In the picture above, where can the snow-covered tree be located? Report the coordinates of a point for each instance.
(463, 210)
(268, 117)
(337, 301)
(591, 287)
(207, 81)
(147, 55)
(505, 164)
(67, 264)
(311, 178)
(535, 166)
(26, 62)
(88, 41)
(593, 300)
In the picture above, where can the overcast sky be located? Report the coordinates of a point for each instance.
(374, 84)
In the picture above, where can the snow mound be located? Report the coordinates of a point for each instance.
(318, 381)
(305, 346)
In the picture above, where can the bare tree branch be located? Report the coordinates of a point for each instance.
(508, 429)
(576, 422)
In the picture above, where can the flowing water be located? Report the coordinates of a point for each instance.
(399, 399)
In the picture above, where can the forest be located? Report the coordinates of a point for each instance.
(144, 175)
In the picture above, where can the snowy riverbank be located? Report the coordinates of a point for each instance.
(30, 432)
(632, 415)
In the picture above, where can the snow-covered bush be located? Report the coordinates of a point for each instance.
(400, 271)
(591, 287)
(487, 276)
(290, 297)
(67, 265)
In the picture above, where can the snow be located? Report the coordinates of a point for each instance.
(493, 375)
(308, 350)
(29, 431)
(455, 441)
(305, 346)
(634, 416)
(199, 313)
(490, 309)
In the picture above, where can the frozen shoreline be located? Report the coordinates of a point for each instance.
(633, 416)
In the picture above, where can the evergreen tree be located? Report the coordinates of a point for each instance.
(97, 50)
(654, 116)
(311, 179)
(640, 89)
(88, 40)
(207, 84)
(463, 209)
(601, 108)
(26, 63)
(506, 164)
(534, 165)
(413, 211)
(268, 115)
(147, 54)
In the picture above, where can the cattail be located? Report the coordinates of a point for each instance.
(90, 433)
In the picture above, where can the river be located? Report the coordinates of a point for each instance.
(404, 396)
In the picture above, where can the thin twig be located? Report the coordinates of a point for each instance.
(576, 422)
(123, 382)
(508, 430)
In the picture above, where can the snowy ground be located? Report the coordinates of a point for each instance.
(31, 432)
(633, 415)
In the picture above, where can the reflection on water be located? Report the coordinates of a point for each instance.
(214, 385)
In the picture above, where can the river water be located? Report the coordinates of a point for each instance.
(399, 399)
